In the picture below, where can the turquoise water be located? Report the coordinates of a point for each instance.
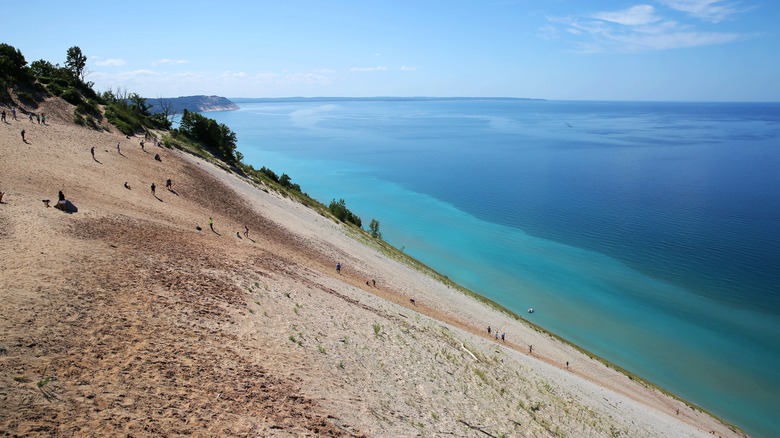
(648, 233)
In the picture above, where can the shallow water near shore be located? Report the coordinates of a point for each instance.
(647, 233)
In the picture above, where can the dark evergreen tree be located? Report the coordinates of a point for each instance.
(76, 62)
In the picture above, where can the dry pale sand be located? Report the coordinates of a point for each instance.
(125, 319)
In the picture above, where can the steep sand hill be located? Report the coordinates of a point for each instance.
(126, 319)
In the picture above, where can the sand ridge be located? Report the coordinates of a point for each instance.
(124, 318)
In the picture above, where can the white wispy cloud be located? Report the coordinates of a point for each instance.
(136, 73)
(408, 68)
(633, 16)
(310, 78)
(369, 69)
(641, 28)
(548, 32)
(111, 62)
(234, 74)
(713, 11)
(171, 61)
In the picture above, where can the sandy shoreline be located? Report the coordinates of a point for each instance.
(124, 318)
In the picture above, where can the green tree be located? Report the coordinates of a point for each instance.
(12, 66)
(342, 213)
(42, 69)
(216, 136)
(373, 228)
(138, 105)
(76, 62)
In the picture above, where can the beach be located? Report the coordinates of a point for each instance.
(132, 316)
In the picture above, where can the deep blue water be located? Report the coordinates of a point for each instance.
(648, 233)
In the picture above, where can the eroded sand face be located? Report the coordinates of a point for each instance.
(124, 318)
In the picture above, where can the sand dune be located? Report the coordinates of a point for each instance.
(124, 318)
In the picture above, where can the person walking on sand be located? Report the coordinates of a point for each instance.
(92, 151)
(2, 117)
(23, 139)
(338, 267)
(503, 337)
(211, 223)
(43, 119)
(61, 201)
(489, 330)
(531, 349)
(168, 184)
(13, 112)
(246, 231)
(153, 189)
(117, 148)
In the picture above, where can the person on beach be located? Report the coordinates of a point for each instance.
(496, 335)
(142, 146)
(211, 223)
(531, 349)
(13, 113)
(153, 189)
(92, 151)
(61, 203)
(168, 184)
(373, 281)
(43, 119)
(127, 186)
(567, 364)
(2, 117)
(338, 267)
(157, 157)
(37, 117)
(489, 330)
(23, 139)
(117, 148)
(246, 231)
(31, 117)
(503, 337)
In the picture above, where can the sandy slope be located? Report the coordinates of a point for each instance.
(124, 318)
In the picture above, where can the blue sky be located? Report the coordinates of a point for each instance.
(677, 50)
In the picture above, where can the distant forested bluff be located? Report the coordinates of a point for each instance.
(177, 105)
(374, 99)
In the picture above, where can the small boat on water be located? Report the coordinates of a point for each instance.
(530, 310)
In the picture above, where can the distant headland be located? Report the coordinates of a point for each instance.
(372, 99)
(219, 103)
(192, 103)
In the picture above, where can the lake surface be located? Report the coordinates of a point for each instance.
(647, 233)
